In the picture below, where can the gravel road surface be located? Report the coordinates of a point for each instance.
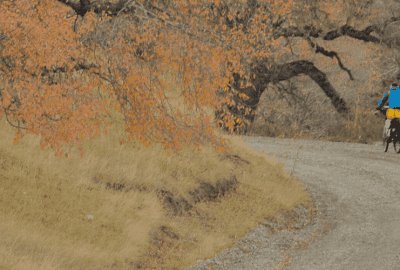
(356, 188)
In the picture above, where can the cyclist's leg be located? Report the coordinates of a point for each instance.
(395, 121)
(386, 129)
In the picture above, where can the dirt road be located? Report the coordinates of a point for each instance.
(357, 190)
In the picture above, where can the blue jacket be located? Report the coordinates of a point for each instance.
(394, 98)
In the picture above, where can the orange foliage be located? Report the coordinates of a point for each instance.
(187, 37)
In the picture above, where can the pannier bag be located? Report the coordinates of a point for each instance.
(392, 113)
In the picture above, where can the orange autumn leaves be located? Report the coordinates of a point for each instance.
(152, 115)
(37, 35)
(189, 40)
(69, 110)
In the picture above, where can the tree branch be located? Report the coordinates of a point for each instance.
(277, 73)
(330, 54)
(345, 30)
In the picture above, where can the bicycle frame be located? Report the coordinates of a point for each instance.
(394, 135)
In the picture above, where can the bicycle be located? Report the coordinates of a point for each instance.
(394, 133)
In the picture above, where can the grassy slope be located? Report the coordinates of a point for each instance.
(148, 209)
(45, 203)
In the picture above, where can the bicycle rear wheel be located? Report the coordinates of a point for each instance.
(396, 140)
(396, 145)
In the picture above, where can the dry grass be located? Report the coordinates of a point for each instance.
(361, 126)
(127, 208)
(46, 202)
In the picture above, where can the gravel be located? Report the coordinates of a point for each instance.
(355, 188)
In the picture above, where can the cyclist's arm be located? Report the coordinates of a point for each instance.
(383, 101)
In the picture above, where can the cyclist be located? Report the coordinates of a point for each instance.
(393, 98)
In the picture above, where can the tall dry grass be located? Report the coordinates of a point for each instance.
(130, 207)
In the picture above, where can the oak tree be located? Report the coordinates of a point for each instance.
(59, 58)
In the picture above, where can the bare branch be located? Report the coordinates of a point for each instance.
(331, 54)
